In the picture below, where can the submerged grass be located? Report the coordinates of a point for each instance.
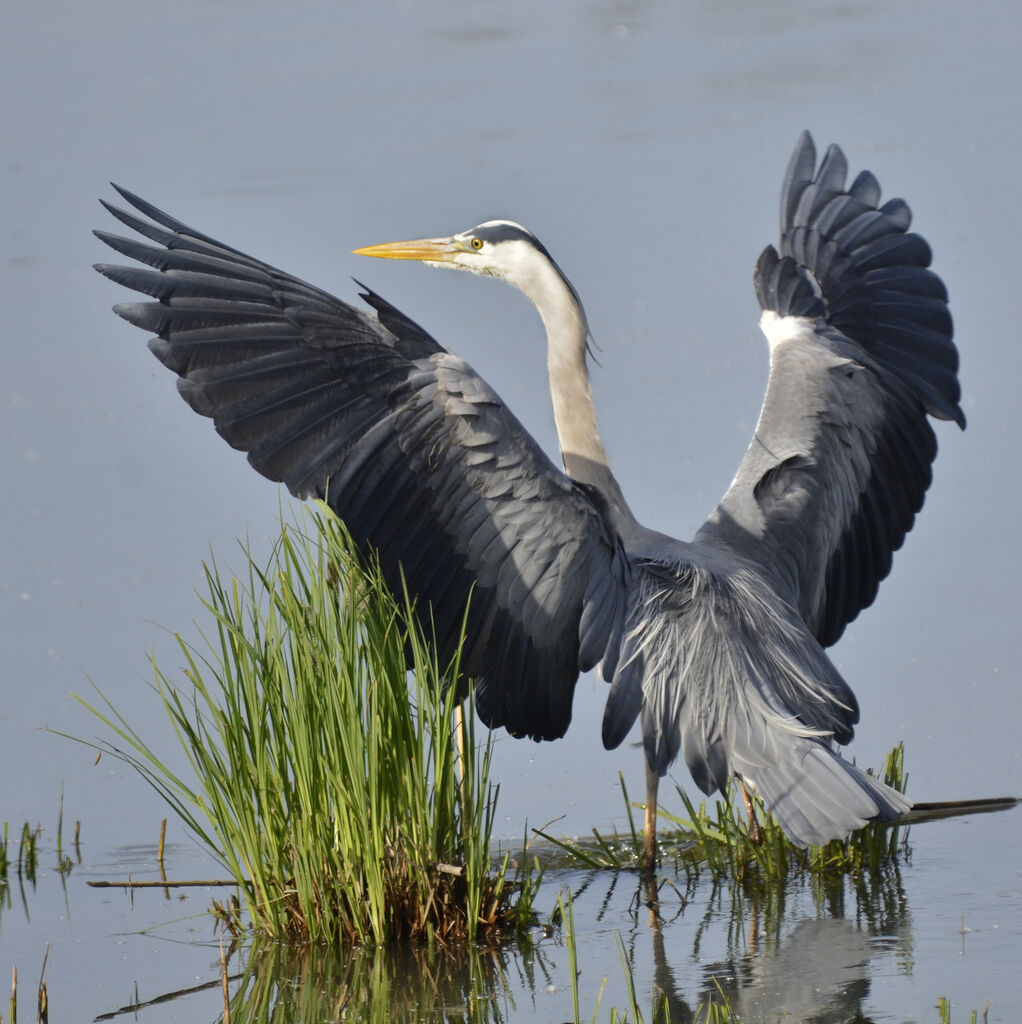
(328, 779)
(25, 863)
(944, 1009)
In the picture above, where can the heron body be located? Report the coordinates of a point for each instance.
(716, 645)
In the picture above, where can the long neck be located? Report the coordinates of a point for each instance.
(582, 451)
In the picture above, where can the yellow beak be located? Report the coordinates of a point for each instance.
(433, 250)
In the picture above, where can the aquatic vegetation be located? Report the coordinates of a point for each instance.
(328, 780)
(4, 860)
(727, 847)
(717, 1010)
(944, 1009)
(721, 843)
(25, 863)
(42, 1015)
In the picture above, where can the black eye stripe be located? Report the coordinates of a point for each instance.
(496, 233)
(506, 231)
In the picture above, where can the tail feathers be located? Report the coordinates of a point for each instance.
(816, 795)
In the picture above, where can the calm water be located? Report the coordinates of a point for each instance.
(644, 142)
(883, 951)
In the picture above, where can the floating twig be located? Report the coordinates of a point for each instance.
(929, 811)
(166, 997)
(132, 884)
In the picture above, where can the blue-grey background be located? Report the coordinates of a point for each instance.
(644, 142)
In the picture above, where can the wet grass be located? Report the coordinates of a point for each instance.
(24, 863)
(724, 845)
(719, 842)
(327, 777)
(42, 1012)
(944, 1009)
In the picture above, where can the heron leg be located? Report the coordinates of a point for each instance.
(649, 835)
(754, 931)
(755, 832)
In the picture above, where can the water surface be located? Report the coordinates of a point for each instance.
(644, 143)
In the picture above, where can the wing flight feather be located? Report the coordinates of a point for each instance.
(402, 439)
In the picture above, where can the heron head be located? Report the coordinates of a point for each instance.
(495, 248)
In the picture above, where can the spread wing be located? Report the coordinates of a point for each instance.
(413, 450)
(861, 354)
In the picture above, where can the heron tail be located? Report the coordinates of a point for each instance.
(733, 681)
(815, 794)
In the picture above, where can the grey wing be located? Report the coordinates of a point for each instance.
(412, 449)
(861, 354)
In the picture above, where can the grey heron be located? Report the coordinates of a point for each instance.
(716, 645)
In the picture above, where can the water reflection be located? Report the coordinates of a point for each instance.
(818, 973)
(797, 952)
(804, 952)
(315, 984)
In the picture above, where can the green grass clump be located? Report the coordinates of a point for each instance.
(720, 843)
(725, 846)
(328, 780)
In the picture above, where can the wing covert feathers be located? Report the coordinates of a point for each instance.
(861, 353)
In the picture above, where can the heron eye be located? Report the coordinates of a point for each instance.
(477, 244)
